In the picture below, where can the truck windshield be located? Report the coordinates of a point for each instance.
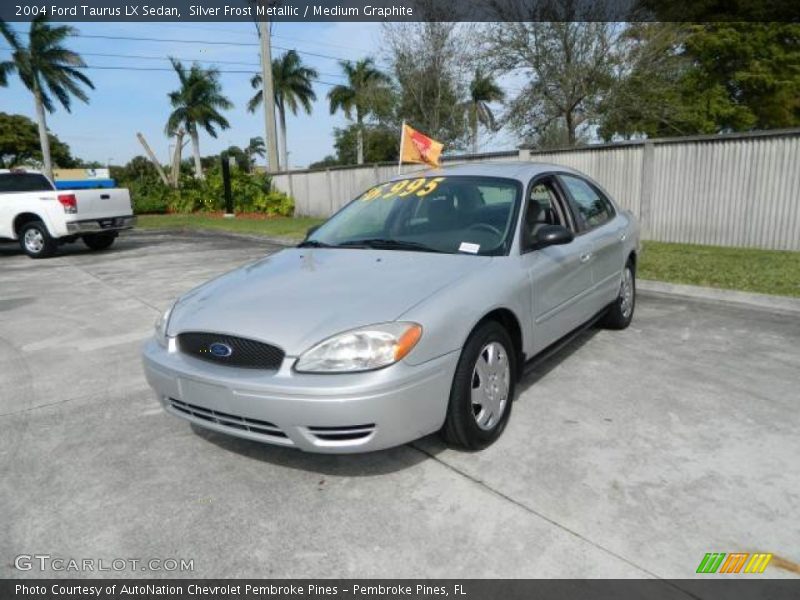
(466, 214)
(24, 182)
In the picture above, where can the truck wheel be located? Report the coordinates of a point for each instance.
(99, 241)
(35, 240)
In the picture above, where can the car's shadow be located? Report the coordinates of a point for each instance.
(383, 461)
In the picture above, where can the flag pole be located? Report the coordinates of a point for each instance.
(402, 139)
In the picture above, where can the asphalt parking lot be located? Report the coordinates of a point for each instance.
(628, 454)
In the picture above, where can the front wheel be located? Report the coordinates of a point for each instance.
(620, 313)
(483, 389)
(99, 241)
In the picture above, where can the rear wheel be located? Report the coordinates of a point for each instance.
(620, 313)
(483, 389)
(35, 240)
(99, 241)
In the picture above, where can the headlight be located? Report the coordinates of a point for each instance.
(161, 327)
(361, 349)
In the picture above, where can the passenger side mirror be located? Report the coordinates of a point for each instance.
(551, 235)
(311, 230)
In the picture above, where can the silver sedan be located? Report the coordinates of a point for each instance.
(410, 311)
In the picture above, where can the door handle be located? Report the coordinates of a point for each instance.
(105, 196)
(585, 257)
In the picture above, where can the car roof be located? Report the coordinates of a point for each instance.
(520, 170)
(20, 171)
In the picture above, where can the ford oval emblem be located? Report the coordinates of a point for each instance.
(220, 350)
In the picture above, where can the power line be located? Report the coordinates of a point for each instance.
(186, 59)
(204, 42)
(169, 70)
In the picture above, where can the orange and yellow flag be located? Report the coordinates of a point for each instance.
(416, 147)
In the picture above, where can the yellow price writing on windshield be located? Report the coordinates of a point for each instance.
(405, 187)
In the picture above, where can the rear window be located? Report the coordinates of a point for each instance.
(24, 182)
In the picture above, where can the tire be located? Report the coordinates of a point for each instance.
(470, 424)
(620, 313)
(35, 240)
(99, 241)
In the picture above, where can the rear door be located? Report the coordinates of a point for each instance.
(560, 276)
(20, 192)
(598, 223)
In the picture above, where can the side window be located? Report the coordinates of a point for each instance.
(544, 207)
(24, 182)
(592, 207)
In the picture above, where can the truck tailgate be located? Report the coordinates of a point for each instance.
(102, 203)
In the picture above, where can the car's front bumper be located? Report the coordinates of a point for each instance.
(100, 225)
(335, 413)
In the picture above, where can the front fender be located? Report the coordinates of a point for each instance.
(449, 316)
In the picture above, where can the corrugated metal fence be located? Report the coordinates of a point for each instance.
(732, 190)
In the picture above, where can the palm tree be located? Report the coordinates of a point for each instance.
(7, 66)
(46, 68)
(364, 85)
(196, 105)
(482, 90)
(256, 147)
(291, 81)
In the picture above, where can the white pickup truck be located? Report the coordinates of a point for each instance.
(41, 217)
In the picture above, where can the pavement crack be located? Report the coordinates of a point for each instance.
(481, 483)
(114, 288)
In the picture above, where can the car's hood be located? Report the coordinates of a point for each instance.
(300, 296)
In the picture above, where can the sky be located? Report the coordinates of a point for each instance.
(125, 102)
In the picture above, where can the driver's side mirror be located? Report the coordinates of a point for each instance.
(311, 230)
(551, 235)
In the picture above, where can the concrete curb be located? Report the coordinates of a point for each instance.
(784, 304)
(286, 242)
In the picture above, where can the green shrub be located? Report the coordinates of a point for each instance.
(251, 192)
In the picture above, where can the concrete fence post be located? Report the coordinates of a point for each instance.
(331, 208)
(646, 189)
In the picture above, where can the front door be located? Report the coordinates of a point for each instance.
(560, 276)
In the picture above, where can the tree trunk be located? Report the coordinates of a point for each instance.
(474, 117)
(284, 151)
(198, 166)
(360, 140)
(176, 159)
(570, 124)
(44, 140)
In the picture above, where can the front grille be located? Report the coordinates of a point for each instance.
(227, 420)
(248, 354)
(349, 433)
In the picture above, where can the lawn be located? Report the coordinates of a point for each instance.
(278, 227)
(746, 269)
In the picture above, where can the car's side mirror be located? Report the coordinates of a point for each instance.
(311, 230)
(551, 235)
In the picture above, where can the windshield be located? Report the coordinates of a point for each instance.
(473, 215)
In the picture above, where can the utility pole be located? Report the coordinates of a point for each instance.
(268, 90)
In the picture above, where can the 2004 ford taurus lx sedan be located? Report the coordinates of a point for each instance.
(411, 310)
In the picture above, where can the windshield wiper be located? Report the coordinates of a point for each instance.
(389, 244)
(313, 244)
